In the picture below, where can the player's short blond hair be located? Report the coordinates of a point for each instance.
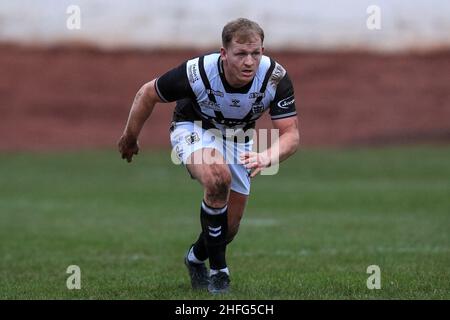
(242, 30)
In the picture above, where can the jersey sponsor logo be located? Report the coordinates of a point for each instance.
(213, 92)
(277, 74)
(209, 105)
(235, 103)
(192, 138)
(229, 123)
(256, 95)
(193, 73)
(286, 102)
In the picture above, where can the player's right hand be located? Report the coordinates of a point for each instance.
(128, 146)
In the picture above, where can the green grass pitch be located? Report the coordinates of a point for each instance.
(309, 232)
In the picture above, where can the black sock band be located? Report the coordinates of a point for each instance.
(215, 227)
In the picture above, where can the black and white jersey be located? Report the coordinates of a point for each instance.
(202, 93)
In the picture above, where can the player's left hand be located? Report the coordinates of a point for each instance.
(255, 161)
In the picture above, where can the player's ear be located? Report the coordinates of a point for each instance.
(223, 53)
(262, 50)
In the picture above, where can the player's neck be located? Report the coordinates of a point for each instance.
(232, 81)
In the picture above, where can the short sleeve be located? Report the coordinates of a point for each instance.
(174, 85)
(283, 105)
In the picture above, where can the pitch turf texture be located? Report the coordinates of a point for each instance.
(309, 232)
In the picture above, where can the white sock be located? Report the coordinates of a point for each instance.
(214, 271)
(192, 257)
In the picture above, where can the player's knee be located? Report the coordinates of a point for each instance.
(217, 182)
(217, 189)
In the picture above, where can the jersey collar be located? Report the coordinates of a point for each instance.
(227, 86)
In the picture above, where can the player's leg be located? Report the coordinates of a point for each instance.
(188, 140)
(236, 207)
(191, 143)
(208, 167)
(215, 177)
(240, 189)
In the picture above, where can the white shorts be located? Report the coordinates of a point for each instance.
(187, 137)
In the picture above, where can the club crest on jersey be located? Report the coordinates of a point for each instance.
(192, 138)
(213, 92)
(235, 103)
(256, 95)
(257, 107)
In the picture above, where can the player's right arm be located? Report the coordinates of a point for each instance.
(142, 107)
(172, 86)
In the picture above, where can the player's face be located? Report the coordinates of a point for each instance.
(241, 61)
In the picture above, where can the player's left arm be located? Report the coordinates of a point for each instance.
(280, 150)
(288, 142)
(284, 119)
